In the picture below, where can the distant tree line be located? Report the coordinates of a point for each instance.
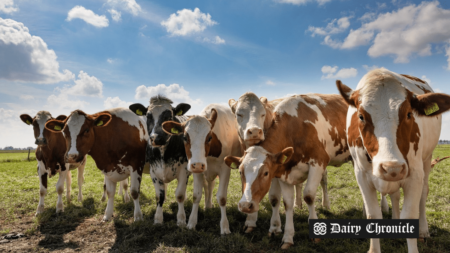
(13, 148)
(444, 141)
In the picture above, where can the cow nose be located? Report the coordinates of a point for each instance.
(247, 207)
(392, 171)
(197, 167)
(40, 141)
(152, 137)
(255, 133)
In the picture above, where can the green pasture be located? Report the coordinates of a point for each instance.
(19, 196)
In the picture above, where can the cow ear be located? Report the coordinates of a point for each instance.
(430, 104)
(213, 117)
(173, 128)
(139, 109)
(26, 119)
(102, 119)
(55, 125)
(232, 103)
(181, 109)
(284, 156)
(347, 93)
(232, 162)
(263, 100)
(61, 117)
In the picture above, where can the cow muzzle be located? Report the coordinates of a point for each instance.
(41, 141)
(392, 171)
(248, 207)
(197, 168)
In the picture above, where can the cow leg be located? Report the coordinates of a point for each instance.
(160, 194)
(423, 224)
(395, 199)
(60, 189)
(384, 204)
(81, 180)
(412, 192)
(209, 187)
(68, 185)
(104, 189)
(314, 178)
(275, 199)
(136, 178)
(198, 186)
(224, 179)
(288, 192)
(43, 178)
(180, 194)
(298, 195)
(324, 184)
(110, 191)
(123, 190)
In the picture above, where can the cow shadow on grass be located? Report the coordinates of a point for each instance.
(54, 226)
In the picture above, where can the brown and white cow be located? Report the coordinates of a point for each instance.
(306, 135)
(393, 126)
(116, 139)
(50, 158)
(253, 117)
(208, 138)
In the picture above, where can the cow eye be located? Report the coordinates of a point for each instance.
(266, 173)
(409, 115)
(86, 131)
(262, 116)
(185, 138)
(361, 117)
(239, 115)
(210, 138)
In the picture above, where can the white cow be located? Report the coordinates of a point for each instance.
(208, 139)
(393, 126)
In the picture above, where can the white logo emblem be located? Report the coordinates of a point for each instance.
(320, 228)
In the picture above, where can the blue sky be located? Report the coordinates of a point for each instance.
(92, 55)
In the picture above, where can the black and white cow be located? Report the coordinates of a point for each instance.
(165, 153)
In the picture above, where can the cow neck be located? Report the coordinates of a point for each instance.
(275, 143)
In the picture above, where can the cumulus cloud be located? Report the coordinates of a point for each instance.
(13, 132)
(333, 73)
(64, 101)
(25, 57)
(174, 91)
(369, 68)
(129, 6)
(335, 26)
(113, 102)
(217, 40)
(269, 82)
(7, 6)
(115, 15)
(86, 85)
(88, 16)
(302, 2)
(186, 22)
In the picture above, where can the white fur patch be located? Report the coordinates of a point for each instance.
(41, 118)
(319, 99)
(198, 128)
(74, 124)
(252, 163)
(132, 119)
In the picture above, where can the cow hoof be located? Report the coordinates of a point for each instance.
(106, 218)
(191, 226)
(316, 240)
(275, 233)
(286, 246)
(181, 224)
(225, 231)
(39, 210)
(248, 230)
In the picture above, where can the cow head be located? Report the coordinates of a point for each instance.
(199, 139)
(252, 117)
(386, 121)
(79, 132)
(159, 111)
(257, 168)
(38, 123)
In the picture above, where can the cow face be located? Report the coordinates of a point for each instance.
(386, 122)
(199, 140)
(257, 168)
(78, 130)
(250, 115)
(38, 123)
(157, 113)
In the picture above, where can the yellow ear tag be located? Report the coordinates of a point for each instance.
(100, 123)
(233, 166)
(174, 130)
(138, 112)
(28, 122)
(179, 113)
(431, 109)
(57, 128)
(284, 159)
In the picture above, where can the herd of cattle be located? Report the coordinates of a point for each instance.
(388, 127)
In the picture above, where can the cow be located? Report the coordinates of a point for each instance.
(393, 126)
(307, 134)
(165, 153)
(50, 158)
(116, 139)
(208, 138)
(253, 118)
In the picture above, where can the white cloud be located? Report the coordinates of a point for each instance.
(88, 16)
(13, 132)
(174, 91)
(113, 102)
(302, 2)
(7, 6)
(369, 68)
(25, 57)
(217, 40)
(269, 82)
(445, 134)
(334, 27)
(333, 73)
(115, 15)
(111, 60)
(129, 6)
(186, 22)
(86, 86)
(63, 101)
(426, 79)
(26, 97)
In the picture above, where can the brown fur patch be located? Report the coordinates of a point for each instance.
(368, 133)
(180, 198)
(134, 194)
(413, 78)
(187, 146)
(223, 201)
(274, 201)
(215, 146)
(308, 200)
(408, 131)
(44, 180)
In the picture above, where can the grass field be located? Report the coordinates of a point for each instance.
(80, 228)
